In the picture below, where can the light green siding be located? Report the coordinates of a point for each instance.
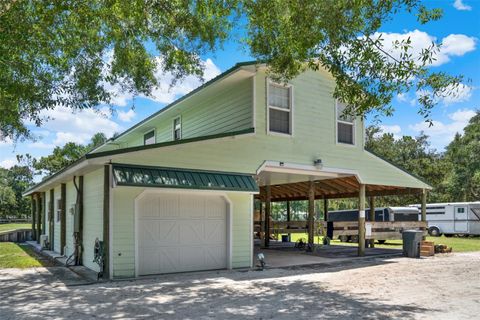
(70, 202)
(226, 107)
(123, 226)
(241, 229)
(56, 215)
(92, 215)
(313, 138)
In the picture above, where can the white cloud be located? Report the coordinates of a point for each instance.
(402, 97)
(459, 5)
(5, 142)
(442, 133)
(78, 126)
(461, 93)
(41, 145)
(126, 116)
(8, 163)
(452, 45)
(393, 129)
(165, 93)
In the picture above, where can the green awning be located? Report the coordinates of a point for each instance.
(159, 177)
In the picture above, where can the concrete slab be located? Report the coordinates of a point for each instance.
(284, 254)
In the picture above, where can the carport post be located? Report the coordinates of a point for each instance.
(311, 212)
(288, 219)
(361, 221)
(38, 206)
(372, 218)
(34, 212)
(325, 209)
(424, 205)
(267, 215)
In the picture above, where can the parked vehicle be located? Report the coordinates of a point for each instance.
(381, 214)
(454, 218)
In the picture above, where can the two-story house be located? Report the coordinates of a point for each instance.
(175, 192)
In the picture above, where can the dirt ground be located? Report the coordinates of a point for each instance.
(443, 287)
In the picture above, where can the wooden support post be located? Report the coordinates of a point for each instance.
(80, 219)
(106, 220)
(424, 205)
(51, 220)
(325, 209)
(372, 218)
(63, 218)
(311, 213)
(267, 215)
(44, 212)
(289, 218)
(262, 225)
(38, 208)
(361, 221)
(34, 212)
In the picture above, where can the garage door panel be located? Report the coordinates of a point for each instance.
(192, 208)
(215, 232)
(215, 255)
(192, 232)
(167, 205)
(181, 233)
(216, 208)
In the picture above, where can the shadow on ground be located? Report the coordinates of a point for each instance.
(276, 293)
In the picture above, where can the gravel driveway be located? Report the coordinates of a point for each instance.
(444, 287)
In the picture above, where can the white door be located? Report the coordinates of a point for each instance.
(461, 219)
(181, 232)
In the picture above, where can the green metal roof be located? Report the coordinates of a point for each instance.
(159, 177)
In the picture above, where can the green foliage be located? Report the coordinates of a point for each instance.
(13, 182)
(342, 37)
(66, 155)
(63, 53)
(463, 153)
(66, 53)
(454, 175)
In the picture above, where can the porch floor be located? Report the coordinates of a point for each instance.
(284, 254)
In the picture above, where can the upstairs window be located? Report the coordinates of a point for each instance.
(279, 108)
(345, 125)
(177, 128)
(149, 137)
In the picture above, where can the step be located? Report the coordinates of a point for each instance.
(427, 243)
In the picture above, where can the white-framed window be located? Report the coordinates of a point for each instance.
(149, 137)
(59, 209)
(345, 125)
(177, 128)
(279, 108)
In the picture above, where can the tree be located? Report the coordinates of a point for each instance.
(67, 53)
(342, 37)
(415, 156)
(13, 182)
(66, 155)
(463, 179)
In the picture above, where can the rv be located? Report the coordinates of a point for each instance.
(381, 214)
(455, 218)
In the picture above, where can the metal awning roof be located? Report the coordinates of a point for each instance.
(159, 177)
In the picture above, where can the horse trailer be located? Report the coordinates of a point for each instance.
(388, 214)
(454, 218)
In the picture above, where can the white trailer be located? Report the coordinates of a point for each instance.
(454, 218)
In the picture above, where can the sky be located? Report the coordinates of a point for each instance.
(458, 30)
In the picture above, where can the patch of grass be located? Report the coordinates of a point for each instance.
(458, 244)
(14, 226)
(13, 255)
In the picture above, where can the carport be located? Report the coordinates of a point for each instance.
(279, 181)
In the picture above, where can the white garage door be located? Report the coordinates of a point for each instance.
(178, 232)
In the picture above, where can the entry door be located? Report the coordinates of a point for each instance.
(461, 219)
(181, 232)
